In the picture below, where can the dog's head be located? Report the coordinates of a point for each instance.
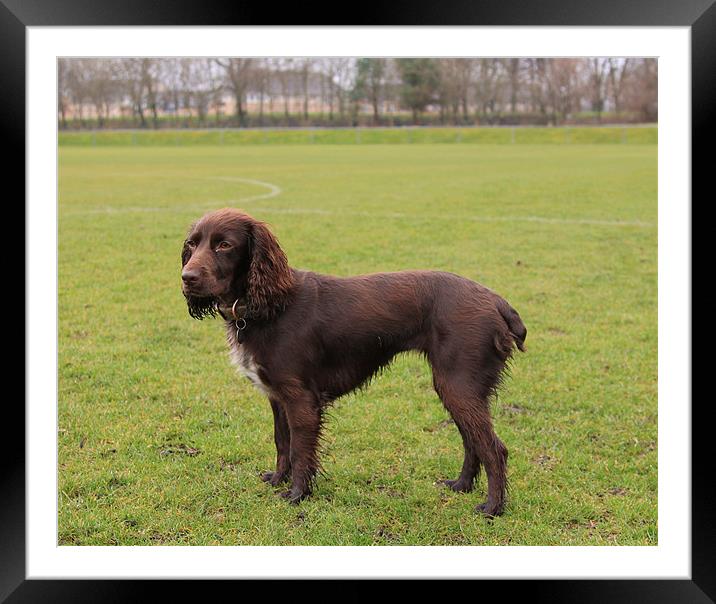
(229, 256)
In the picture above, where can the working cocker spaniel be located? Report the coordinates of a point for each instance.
(305, 339)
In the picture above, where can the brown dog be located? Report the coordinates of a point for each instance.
(305, 339)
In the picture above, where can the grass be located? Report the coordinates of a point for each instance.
(361, 136)
(160, 442)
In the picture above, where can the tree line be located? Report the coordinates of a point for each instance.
(295, 91)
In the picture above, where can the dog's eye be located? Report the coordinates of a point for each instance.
(224, 245)
(190, 243)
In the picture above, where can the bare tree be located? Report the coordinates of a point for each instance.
(131, 73)
(513, 70)
(344, 75)
(80, 78)
(149, 76)
(562, 87)
(63, 89)
(260, 83)
(170, 76)
(101, 86)
(487, 86)
(618, 70)
(284, 72)
(305, 66)
(198, 89)
(597, 69)
(464, 69)
(327, 66)
(537, 86)
(449, 94)
(641, 89)
(237, 73)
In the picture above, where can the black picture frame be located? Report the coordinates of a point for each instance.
(699, 15)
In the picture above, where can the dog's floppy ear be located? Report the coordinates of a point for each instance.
(270, 278)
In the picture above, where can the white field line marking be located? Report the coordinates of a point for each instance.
(387, 215)
(399, 215)
(275, 190)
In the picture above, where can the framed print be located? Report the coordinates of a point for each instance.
(554, 192)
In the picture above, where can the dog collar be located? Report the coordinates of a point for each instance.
(237, 312)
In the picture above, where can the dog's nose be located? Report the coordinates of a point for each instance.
(189, 276)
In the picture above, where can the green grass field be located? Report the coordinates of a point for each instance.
(161, 442)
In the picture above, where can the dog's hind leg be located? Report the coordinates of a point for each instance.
(482, 446)
(494, 455)
(282, 439)
(470, 465)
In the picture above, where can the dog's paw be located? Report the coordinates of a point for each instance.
(490, 510)
(293, 496)
(274, 478)
(457, 485)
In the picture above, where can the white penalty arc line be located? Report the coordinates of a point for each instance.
(274, 191)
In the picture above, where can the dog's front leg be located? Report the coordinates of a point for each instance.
(282, 438)
(304, 420)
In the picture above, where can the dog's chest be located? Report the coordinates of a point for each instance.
(246, 364)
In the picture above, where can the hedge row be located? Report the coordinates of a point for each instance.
(350, 136)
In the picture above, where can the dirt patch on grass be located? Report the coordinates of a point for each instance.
(179, 449)
(440, 425)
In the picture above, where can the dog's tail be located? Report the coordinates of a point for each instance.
(517, 328)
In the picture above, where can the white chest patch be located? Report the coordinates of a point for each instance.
(246, 364)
